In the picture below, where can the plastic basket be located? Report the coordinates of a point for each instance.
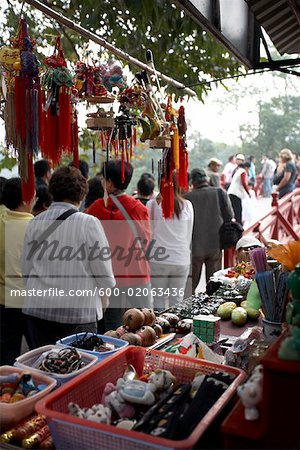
(118, 343)
(27, 360)
(12, 413)
(72, 433)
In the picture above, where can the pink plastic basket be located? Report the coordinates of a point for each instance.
(72, 433)
(12, 413)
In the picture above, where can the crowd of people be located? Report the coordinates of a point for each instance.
(90, 236)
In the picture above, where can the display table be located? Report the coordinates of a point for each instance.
(279, 424)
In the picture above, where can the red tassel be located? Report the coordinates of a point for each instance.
(126, 149)
(167, 203)
(134, 136)
(74, 133)
(122, 164)
(183, 167)
(41, 116)
(52, 150)
(102, 140)
(130, 147)
(64, 124)
(28, 184)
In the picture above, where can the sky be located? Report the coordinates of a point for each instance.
(217, 119)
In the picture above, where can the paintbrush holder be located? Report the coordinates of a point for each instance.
(271, 330)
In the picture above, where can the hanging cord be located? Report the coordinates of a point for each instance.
(286, 70)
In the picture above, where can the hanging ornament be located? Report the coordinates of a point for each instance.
(113, 76)
(123, 136)
(21, 70)
(175, 144)
(57, 83)
(74, 127)
(101, 119)
(183, 154)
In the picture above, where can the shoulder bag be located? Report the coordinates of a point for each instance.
(230, 231)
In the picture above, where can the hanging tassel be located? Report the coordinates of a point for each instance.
(183, 166)
(126, 150)
(175, 145)
(28, 182)
(102, 140)
(134, 136)
(20, 108)
(131, 147)
(64, 123)
(167, 193)
(10, 114)
(122, 163)
(74, 134)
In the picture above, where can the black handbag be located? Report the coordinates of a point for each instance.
(230, 231)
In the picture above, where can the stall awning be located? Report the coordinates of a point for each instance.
(281, 21)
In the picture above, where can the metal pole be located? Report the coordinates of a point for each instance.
(60, 18)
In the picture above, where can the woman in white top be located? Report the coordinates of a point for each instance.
(238, 189)
(169, 273)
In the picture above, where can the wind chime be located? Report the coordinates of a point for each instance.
(59, 130)
(21, 72)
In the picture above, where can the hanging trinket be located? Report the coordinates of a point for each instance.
(183, 154)
(56, 114)
(22, 104)
(123, 137)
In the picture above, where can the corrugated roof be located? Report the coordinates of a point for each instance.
(281, 21)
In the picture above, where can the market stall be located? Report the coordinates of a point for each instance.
(121, 396)
(118, 390)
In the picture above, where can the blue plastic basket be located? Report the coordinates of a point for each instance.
(118, 343)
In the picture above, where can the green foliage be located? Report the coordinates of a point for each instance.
(6, 161)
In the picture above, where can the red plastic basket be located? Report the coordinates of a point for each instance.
(73, 433)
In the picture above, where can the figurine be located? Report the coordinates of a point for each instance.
(290, 347)
(80, 77)
(113, 400)
(97, 413)
(163, 380)
(251, 394)
(99, 89)
(136, 391)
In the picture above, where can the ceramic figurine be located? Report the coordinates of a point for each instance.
(163, 380)
(113, 400)
(136, 391)
(251, 394)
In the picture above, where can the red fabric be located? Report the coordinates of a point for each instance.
(244, 181)
(74, 136)
(119, 235)
(64, 123)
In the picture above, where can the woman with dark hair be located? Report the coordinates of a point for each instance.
(126, 224)
(43, 200)
(14, 218)
(238, 189)
(169, 276)
(95, 191)
(63, 262)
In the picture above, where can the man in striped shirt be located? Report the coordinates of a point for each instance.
(67, 270)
